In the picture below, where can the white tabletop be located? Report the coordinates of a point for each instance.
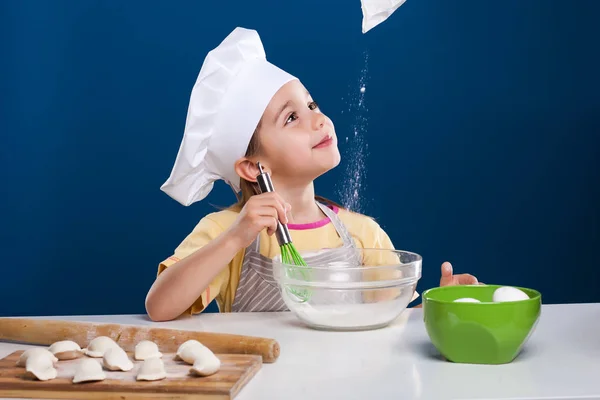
(560, 361)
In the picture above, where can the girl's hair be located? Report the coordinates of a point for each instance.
(249, 189)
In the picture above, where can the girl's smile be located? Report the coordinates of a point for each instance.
(326, 141)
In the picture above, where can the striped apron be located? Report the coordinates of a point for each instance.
(258, 290)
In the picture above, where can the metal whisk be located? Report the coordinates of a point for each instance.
(289, 254)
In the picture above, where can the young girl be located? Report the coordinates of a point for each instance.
(244, 109)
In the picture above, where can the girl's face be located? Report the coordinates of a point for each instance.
(297, 141)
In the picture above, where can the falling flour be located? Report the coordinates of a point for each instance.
(351, 189)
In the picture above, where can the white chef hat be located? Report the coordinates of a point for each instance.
(234, 86)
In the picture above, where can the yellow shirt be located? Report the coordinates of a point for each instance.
(308, 237)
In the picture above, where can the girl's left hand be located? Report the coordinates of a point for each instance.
(448, 279)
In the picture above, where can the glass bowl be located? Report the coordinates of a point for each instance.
(368, 291)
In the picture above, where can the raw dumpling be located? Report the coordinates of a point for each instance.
(190, 350)
(65, 350)
(116, 359)
(40, 366)
(33, 351)
(146, 349)
(183, 345)
(206, 362)
(467, 300)
(89, 370)
(152, 369)
(99, 345)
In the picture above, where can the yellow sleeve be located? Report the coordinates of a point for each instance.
(205, 231)
(376, 238)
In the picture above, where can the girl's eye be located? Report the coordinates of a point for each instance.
(291, 118)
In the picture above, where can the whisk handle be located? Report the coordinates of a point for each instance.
(264, 181)
(266, 185)
(283, 234)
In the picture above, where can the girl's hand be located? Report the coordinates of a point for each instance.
(448, 279)
(260, 212)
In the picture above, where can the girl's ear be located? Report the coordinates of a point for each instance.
(248, 170)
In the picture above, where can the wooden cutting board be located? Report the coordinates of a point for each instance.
(236, 371)
(46, 332)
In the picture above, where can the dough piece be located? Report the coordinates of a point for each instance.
(206, 362)
(99, 345)
(116, 359)
(40, 366)
(146, 349)
(65, 350)
(183, 345)
(191, 350)
(89, 370)
(152, 369)
(33, 351)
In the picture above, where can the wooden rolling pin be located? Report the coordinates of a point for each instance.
(46, 332)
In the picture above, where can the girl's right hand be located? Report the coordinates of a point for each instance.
(260, 211)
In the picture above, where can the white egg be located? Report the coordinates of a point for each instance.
(467, 300)
(508, 293)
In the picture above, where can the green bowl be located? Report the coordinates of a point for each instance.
(479, 333)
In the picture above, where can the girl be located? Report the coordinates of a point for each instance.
(244, 109)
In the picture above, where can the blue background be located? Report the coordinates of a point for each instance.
(483, 136)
